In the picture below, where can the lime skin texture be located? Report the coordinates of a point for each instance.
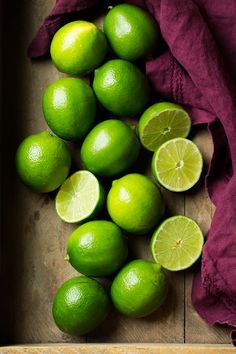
(132, 33)
(69, 108)
(43, 162)
(135, 204)
(80, 305)
(110, 148)
(139, 288)
(122, 88)
(97, 248)
(78, 48)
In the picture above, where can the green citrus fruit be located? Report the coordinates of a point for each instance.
(110, 148)
(69, 107)
(43, 162)
(135, 203)
(80, 305)
(97, 248)
(177, 164)
(78, 48)
(132, 32)
(80, 198)
(121, 88)
(177, 243)
(161, 122)
(139, 288)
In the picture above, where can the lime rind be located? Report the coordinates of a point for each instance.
(177, 164)
(80, 197)
(177, 243)
(162, 122)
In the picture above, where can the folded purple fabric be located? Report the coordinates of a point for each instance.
(198, 71)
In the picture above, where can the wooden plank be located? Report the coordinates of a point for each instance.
(199, 207)
(119, 349)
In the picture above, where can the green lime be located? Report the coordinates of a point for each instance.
(80, 305)
(177, 164)
(69, 107)
(110, 148)
(177, 243)
(122, 88)
(43, 162)
(132, 32)
(135, 203)
(81, 197)
(161, 122)
(139, 288)
(78, 48)
(97, 248)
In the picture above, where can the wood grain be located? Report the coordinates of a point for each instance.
(119, 349)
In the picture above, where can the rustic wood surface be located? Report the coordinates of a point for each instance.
(34, 238)
(120, 349)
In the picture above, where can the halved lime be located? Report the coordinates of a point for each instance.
(80, 198)
(161, 122)
(177, 243)
(177, 164)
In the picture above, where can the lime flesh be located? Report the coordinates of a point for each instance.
(177, 243)
(161, 122)
(177, 164)
(80, 197)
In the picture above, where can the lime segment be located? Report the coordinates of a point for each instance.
(161, 122)
(177, 243)
(80, 197)
(177, 164)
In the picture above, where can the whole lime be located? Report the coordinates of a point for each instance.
(69, 107)
(139, 288)
(121, 88)
(132, 32)
(78, 48)
(97, 248)
(110, 148)
(43, 162)
(135, 203)
(80, 305)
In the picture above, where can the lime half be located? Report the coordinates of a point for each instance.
(161, 122)
(81, 197)
(177, 164)
(177, 243)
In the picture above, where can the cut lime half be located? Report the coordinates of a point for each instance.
(177, 243)
(177, 164)
(80, 198)
(161, 122)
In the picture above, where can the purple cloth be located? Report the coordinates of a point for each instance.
(199, 71)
